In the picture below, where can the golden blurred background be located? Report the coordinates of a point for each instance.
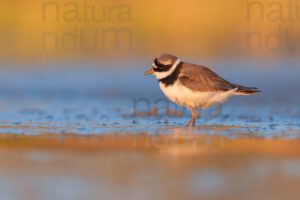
(44, 29)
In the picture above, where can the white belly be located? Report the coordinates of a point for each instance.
(183, 96)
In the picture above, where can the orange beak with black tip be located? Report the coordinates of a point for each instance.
(150, 71)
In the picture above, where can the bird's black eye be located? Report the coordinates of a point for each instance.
(160, 66)
(156, 63)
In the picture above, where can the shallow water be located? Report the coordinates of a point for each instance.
(85, 133)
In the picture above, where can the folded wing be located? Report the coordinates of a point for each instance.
(200, 78)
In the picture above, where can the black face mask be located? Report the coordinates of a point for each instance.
(161, 67)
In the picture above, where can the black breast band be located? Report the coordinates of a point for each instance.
(169, 80)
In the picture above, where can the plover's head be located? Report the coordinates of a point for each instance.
(163, 66)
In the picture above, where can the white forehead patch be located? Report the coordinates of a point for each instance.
(154, 66)
(162, 75)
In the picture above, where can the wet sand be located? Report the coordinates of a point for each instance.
(170, 166)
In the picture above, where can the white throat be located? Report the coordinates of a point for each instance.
(162, 75)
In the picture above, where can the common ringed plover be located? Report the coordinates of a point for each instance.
(193, 86)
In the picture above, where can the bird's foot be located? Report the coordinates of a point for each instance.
(192, 120)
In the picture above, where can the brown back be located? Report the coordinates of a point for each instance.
(200, 78)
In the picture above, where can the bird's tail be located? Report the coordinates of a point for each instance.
(242, 90)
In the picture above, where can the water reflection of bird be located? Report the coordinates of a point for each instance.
(193, 86)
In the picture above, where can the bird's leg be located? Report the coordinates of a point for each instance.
(192, 119)
(195, 116)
